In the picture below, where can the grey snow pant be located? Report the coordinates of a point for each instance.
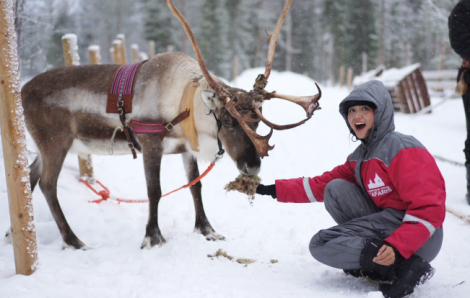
(358, 219)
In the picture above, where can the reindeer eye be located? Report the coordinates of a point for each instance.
(226, 120)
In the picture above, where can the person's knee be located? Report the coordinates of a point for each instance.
(331, 194)
(315, 245)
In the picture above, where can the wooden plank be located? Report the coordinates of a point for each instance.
(441, 84)
(440, 74)
(400, 91)
(409, 96)
(414, 90)
(423, 88)
(395, 103)
(23, 230)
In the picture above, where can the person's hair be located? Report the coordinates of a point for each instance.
(352, 103)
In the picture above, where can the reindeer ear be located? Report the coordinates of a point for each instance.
(211, 100)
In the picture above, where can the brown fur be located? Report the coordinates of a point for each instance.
(67, 105)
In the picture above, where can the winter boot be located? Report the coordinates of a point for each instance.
(409, 274)
(366, 274)
(400, 278)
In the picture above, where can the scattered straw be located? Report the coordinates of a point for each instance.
(245, 261)
(245, 184)
(219, 253)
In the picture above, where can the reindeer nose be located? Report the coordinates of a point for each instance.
(247, 170)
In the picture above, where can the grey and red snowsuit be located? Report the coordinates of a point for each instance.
(389, 188)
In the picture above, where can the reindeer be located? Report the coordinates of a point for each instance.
(64, 112)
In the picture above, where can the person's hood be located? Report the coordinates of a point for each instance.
(375, 92)
(466, 3)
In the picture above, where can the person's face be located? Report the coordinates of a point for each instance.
(361, 119)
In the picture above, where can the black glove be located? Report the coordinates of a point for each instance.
(269, 190)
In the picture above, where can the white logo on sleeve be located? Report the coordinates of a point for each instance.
(378, 187)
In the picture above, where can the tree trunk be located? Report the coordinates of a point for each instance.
(382, 35)
(289, 41)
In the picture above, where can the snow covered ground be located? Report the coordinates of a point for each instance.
(264, 232)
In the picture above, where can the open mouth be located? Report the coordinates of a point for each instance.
(360, 126)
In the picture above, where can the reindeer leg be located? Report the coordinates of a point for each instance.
(52, 162)
(35, 172)
(202, 223)
(152, 154)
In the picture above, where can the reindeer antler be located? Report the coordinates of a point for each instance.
(202, 64)
(309, 103)
(273, 39)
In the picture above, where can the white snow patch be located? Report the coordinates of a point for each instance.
(117, 267)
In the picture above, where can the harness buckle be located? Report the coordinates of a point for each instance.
(131, 145)
(168, 126)
(219, 155)
(120, 111)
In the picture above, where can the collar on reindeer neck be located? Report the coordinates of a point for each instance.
(219, 127)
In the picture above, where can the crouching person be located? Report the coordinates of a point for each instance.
(388, 199)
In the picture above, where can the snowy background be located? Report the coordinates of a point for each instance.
(266, 231)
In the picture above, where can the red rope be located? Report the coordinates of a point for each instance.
(105, 192)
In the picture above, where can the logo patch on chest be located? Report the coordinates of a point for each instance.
(378, 187)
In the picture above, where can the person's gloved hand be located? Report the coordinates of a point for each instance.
(269, 190)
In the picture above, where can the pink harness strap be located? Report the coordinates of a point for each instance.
(147, 130)
(121, 88)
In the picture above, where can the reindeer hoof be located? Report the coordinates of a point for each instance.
(150, 242)
(213, 236)
(8, 237)
(210, 235)
(79, 246)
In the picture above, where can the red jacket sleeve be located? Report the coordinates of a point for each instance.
(419, 183)
(307, 190)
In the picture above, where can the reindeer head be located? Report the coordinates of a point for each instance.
(239, 107)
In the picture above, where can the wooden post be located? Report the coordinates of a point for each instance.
(122, 48)
(70, 47)
(151, 49)
(382, 36)
(350, 77)
(143, 56)
(342, 71)
(364, 62)
(442, 54)
(235, 70)
(135, 53)
(94, 52)
(14, 148)
(112, 54)
(117, 52)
